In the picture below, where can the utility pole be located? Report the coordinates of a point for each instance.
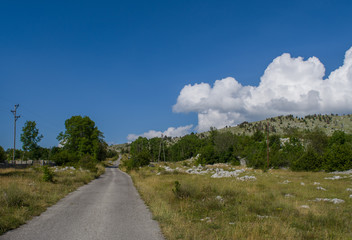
(267, 145)
(164, 148)
(161, 140)
(14, 135)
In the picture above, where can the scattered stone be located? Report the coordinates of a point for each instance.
(231, 223)
(220, 173)
(286, 182)
(247, 178)
(349, 189)
(262, 217)
(321, 188)
(351, 196)
(342, 172)
(243, 162)
(289, 195)
(333, 200)
(302, 184)
(305, 206)
(207, 219)
(198, 170)
(334, 178)
(168, 169)
(219, 198)
(316, 183)
(158, 173)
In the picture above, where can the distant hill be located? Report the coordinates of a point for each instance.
(280, 125)
(119, 147)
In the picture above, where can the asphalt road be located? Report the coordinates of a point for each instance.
(107, 208)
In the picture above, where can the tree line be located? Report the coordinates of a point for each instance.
(308, 150)
(81, 142)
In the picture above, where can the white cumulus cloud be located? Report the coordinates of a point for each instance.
(288, 86)
(170, 132)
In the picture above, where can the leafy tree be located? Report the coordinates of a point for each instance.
(339, 137)
(82, 137)
(309, 161)
(255, 153)
(292, 151)
(62, 157)
(3, 155)
(140, 153)
(9, 153)
(30, 138)
(154, 144)
(258, 136)
(223, 141)
(141, 144)
(317, 140)
(207, 155)
(338, 157)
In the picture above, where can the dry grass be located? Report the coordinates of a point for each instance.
(24, 194)
(260, 209)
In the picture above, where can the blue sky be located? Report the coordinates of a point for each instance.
(125, 63)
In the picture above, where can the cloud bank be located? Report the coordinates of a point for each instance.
(170, 132)
(289, 86)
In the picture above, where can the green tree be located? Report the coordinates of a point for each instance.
(82, 137)
(3, 155)
(30, 138)
(338, 157)
(317, 140)
(309, 161)
(9, 152)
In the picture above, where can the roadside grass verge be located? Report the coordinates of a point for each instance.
(25, 193)
(279, 204)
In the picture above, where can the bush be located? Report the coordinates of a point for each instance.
(292, 151)
(88, 163)
(180, 192)
(309, 161)
(3, 155)
(338, 158)
(255, 153)
(64, 157)
(130, 164)
(48, 174)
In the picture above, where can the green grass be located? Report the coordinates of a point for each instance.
(24, 193)
(260, 209)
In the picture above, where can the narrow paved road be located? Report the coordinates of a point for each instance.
(107, 208)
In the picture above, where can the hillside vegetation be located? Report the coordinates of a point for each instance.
(197, 189)
(312, 143)
(281, 124)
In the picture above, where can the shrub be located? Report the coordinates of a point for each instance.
(88, 163)
(3, 155)
(64, 157)
(48, 174)
(130, 164)
(338, 157)
(180, 192)
(309, 161)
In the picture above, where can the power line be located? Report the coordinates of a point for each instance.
(14, 135)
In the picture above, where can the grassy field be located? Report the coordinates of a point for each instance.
(278, 204)
(24, 194)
